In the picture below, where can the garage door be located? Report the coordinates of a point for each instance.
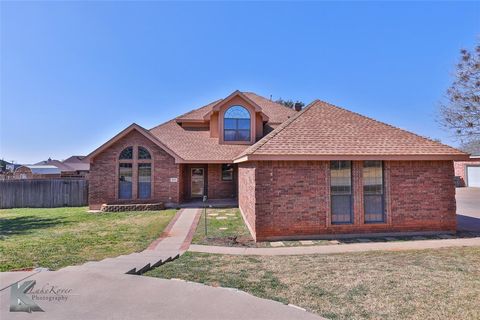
(473, 176)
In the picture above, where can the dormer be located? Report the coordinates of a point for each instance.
(236, 120)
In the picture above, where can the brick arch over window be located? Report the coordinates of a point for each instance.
(135, 168)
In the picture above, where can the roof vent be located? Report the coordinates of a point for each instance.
(298, 106)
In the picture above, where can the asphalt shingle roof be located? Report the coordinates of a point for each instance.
(197, 145)
(325, 129)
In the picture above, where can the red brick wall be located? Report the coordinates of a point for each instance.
(461, 167)
(217, 188)
(103, 184)
(293, 198)
(246, 193)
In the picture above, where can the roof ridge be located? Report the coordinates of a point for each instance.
(275, 132)
(173, 119)
(161, 124)
(386, 124)
(274, 102)
(208, 104)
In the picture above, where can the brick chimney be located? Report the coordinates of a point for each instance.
(297, 106)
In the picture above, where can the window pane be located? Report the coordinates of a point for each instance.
(126, 154)
(144, 180)
(373, 191)
(237, 112)
(374, 208)
(243, 135)
(340, 177)
(227, 172)
(230, 124)
(341, 209)
(143, 153)
(125, 181)
(341, 191)
(230, 135)
(244, 124)
(236, 124)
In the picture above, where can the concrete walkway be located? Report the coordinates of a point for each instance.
(105, 295)
(173, 242)
(103, 290)
(343, 248)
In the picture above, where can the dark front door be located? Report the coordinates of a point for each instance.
(197, 182)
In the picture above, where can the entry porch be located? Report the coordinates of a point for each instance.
(217, 181)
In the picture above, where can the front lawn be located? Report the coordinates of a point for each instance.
(58, 237)
(225, 227)
(426, 284)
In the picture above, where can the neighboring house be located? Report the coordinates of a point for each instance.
(37, 172)
(7, 169)
(322, 171)
(79, 165)
(468, 172)
(72, 167)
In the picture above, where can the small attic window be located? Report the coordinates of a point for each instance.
(236, 124)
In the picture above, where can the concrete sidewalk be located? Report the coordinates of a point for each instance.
(106, 295)
(343, 248)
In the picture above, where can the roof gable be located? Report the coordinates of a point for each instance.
(325, 131)
(126, 131)
(236, 94)
(275, 112)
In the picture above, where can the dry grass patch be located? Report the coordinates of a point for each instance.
(225, 227)
(426, 284)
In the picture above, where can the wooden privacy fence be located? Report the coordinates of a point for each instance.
(43, 193)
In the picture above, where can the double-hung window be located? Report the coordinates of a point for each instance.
(373, 192)
(341, 192)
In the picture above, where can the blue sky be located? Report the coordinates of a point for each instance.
(74, 74)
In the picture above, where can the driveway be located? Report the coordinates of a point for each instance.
(468, 209)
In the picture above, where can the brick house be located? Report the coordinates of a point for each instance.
(37, 172)
(322, 171)
(467, 173)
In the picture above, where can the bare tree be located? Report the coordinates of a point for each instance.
(461, 110)
(472, 147)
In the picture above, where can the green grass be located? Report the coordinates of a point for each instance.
(229, 230)
(423, 284)
(58, 237)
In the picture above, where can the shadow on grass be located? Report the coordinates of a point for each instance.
(26, 224)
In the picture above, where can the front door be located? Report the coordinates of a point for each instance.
(197, 182)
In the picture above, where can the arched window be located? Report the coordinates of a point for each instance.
(144, 173)
(143, 153)
(142, 160)
(125, 173)
(126, 154)
(236, 124)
